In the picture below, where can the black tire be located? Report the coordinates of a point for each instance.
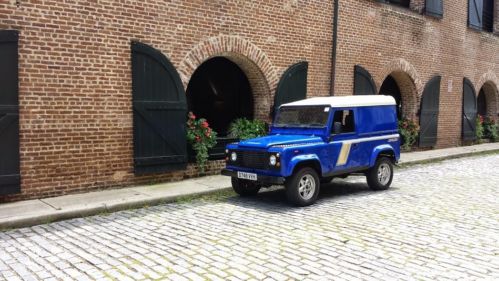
(377, 179)
(307, 195)
(245, 187)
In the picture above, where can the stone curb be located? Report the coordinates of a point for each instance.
(58, 215)
(446, 157)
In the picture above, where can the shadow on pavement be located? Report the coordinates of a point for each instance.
(274, 199)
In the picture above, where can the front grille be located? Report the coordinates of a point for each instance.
(253, 159)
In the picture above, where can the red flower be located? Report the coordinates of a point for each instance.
(192, 116)
(198, 139)
(205, 124)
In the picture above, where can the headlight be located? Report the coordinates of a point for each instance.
(233, 156)
(273, 160)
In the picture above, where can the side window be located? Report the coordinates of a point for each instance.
(346, 119)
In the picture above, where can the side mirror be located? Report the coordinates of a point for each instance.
(336, 128)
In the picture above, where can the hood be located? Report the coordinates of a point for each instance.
(268, 141)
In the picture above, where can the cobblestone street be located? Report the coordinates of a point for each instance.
(438, 221)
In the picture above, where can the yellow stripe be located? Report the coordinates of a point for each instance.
(344, 152)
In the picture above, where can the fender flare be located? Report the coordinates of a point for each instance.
(379, 149)
(296, 160)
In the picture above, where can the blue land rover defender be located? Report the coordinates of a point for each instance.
(312, 141)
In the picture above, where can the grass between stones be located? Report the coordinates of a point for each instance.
(215, 196)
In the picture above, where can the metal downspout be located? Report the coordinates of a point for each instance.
(335, 43)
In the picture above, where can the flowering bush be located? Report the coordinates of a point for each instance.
(479, 130)
(409, 130)
(243, 128)
(490, 129)
(201, 137)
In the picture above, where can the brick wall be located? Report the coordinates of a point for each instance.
(387, 39)
(75, 74)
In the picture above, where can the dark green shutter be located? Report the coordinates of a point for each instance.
(469, 111)
(10, 179)
(293, 84)
(363, 83)
(434, 8)
(428, 120)
(475, 14)
(488, 15)
(159, 112)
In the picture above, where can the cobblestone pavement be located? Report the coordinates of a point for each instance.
(438, 222)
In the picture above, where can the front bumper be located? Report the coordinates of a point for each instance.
(260, 178)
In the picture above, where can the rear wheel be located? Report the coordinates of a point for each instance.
(380, 176)
(245, 187)
(302, 188)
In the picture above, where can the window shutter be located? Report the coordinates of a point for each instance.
(159, 112)
(434, 8)
(488, 15)
(475, 14)
(429, 113)
(363, 82)
(293, 84)
(10, 178)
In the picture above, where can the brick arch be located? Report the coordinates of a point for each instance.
(409, 82)
(254, 62)
(489, 82)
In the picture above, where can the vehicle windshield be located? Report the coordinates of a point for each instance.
(302, 116)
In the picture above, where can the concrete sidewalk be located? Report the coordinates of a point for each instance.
(39, 211)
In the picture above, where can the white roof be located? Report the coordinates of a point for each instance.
(346, 101)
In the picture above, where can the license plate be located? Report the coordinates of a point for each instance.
(246, 176)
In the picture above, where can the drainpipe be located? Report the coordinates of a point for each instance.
(335, 43)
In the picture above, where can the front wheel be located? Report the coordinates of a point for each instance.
(380, 176)
(245, 187)
(302, 188)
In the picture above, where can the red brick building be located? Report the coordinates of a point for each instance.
(404, 44)
(88, 88)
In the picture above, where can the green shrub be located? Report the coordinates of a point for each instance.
(479, 129)
(201, 137)
(409, 130)
(490, 129)
(243, 129)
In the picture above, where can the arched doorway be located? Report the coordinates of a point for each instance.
(253, 61)
(391, 88)
(220, 92)
(487, 100)
(400, 85)
(482, 103)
